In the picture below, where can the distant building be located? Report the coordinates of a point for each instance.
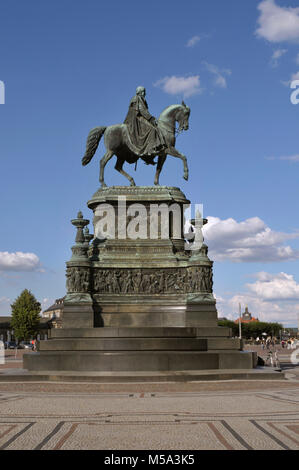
(7, 332)
(246, 317)
(290, 332)
(54, 313)
(51, 318)
(55, 310)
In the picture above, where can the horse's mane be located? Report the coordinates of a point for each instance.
(168, 110)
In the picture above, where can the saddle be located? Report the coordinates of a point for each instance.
(148, 159)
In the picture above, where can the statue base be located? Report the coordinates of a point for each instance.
(138, 299)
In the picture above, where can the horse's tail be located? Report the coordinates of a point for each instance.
(92, 143)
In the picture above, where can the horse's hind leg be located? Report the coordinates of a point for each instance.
(119, 167)
(109, 154)
(161, 160)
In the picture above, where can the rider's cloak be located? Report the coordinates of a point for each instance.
(145, 136)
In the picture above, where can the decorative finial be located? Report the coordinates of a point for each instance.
(88, 237)
(80, 250)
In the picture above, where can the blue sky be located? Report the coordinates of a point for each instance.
(69, 66)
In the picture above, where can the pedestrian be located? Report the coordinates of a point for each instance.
(276, 360)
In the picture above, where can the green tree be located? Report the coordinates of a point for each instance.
(252, 329)
(230, 324)
(25, 315)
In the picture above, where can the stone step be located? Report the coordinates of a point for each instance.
(124, 344)
(157, 307)
(224, 343)
(156, 379)
(133, 332)
(140, 344)
(161, 319)
(138, 360)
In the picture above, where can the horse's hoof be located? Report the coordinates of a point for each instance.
(133, 184)
(185, 177)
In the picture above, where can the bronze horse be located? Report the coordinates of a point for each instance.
(116, 136)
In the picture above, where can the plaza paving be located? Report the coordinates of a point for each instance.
(220, 415)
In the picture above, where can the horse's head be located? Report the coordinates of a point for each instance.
(182, 117)
(175, 113)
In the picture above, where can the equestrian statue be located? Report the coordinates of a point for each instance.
(141, 136)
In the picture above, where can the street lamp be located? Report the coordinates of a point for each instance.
(240, 328)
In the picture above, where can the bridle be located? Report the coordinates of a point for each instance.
(171, 129)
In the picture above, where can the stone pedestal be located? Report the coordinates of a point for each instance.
(150, 280)
(138, 298)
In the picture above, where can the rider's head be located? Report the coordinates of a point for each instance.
(140, 90)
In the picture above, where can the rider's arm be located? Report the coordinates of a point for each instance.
(144, 112)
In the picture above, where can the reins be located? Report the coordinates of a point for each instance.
(169, 128)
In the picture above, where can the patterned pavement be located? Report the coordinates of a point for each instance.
(205, 420)
(223, 415)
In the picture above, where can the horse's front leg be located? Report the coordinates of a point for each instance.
(175, 153)
(161, 160)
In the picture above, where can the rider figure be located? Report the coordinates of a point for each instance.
(143, 128)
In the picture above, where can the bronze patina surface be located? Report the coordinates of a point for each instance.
(139, 297)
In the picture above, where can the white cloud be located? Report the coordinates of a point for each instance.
(19, 261)
(247, 241)
(278, 24)
(194, 40)
(187, 86)
(290, 158)
(281, 312)
(277, 54)
(271, 298)
(294, 76)
(280, 286)
(219, 80)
